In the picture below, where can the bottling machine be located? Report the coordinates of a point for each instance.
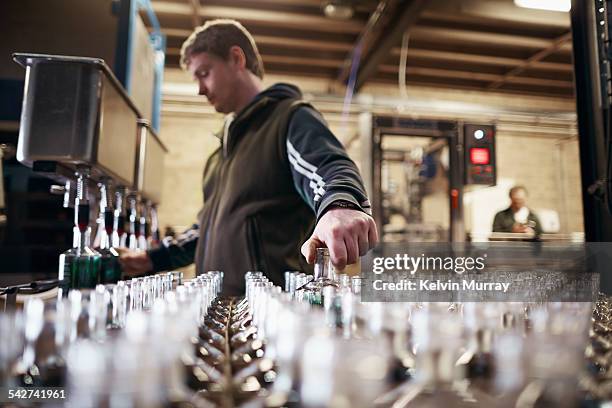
(79, 127)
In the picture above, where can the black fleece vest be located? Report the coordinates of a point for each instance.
(253, 218)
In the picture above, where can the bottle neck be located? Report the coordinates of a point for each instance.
(104, 240)
(76, 237)
(106, 228)
(82, 238)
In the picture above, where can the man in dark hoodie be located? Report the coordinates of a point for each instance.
(280, 179)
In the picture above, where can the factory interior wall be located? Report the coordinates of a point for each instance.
(547, 164)
(547, 167)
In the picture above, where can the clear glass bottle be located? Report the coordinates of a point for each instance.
(119, 305)
(119, 236)
(154, 238)
(26, 369)
(134, 223)
(99, 301)
(312, 291)
(142, 235)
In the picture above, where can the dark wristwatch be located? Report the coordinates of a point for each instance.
(344, 204)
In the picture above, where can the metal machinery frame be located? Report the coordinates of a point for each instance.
(128, 11)
(591, 34)
(373, 128)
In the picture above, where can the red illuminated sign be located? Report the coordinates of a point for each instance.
(479, 155)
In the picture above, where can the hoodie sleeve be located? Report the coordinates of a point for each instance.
(176, 252)
(322, 171)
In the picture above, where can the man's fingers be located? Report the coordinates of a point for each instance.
(122, 251)
(372, 234)
(337, 253)
(362, 243)
(352, 250)
(307, 251)
(309, 248)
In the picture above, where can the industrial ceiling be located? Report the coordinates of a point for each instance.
(462, 44)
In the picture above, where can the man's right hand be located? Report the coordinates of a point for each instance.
(522, 228)
(135, 263)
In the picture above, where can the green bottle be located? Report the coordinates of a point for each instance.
(66, 261)
(79, 267)
(110, 269)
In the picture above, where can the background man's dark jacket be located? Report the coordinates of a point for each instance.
(276, 172)
(504, 220)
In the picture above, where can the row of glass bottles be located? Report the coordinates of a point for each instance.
(141, 218)
(84, 267)
(151, 361)
(82, 344)
(289, 327)
(434, 354)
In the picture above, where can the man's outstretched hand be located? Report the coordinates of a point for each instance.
(347, 233)
(134, 263)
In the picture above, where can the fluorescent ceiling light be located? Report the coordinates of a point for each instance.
(552, 5)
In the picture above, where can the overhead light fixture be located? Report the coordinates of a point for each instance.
(551, 5)
(338, 9)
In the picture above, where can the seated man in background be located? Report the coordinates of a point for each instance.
(517, 218)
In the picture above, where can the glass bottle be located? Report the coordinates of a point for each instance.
(99, 301)
(79, 267)
(110, 267)
(154, 238)
(142, 235)
(66, 260)
(26, 369)
(481, 365)
(134, 223)
(323, 276)
(119, 305)
(119, 236)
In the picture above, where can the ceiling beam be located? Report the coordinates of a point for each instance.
(389, 37)
(514, 18)
(480, 59)
(302, 44)
(268, 18)
(477, 76)
(521, 90)
(457, 36)
(305, 62)
(538, 56)
(176, 32)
